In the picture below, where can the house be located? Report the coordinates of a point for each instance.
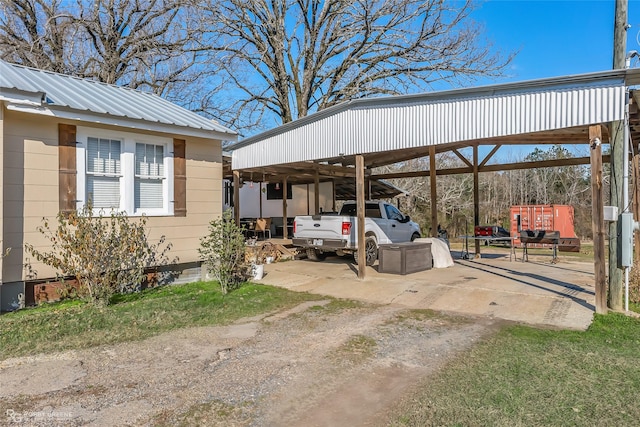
(65, 141)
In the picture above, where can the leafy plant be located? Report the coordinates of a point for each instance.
(105, 254)
(223, 252)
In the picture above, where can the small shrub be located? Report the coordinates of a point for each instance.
(223, 252)
(105, 254)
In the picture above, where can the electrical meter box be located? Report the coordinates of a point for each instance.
(626, 226)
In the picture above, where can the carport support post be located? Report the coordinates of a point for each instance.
(316, 192)
(333, 195)
(236, 197)
(285, 232)
(434, 193)
(597, 215)
(476, 198)
(260, 197)
(360, 212)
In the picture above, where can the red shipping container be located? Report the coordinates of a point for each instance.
(542, 217)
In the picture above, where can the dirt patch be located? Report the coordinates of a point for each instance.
(321, 364)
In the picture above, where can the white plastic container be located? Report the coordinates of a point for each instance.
(258, 271)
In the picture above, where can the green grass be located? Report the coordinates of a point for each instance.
(530, 377)
(74, 325)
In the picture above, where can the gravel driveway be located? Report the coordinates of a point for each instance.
(319, 364)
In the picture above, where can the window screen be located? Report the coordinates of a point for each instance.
(103, 172)
(150, 173)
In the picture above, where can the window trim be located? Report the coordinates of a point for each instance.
(127, 161)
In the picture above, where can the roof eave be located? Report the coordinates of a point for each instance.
(125, 122)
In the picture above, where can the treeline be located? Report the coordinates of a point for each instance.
(567, 185)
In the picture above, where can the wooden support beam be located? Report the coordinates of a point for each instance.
(491, 153)
(574, 161)
(476, 198)
(285, 231)
(463, 158)
(316, 192)
(414, 174)
(323, 169)
(360, 207)
(333, 196)
(597, 215)
(260, 197)
(434, 194)
(236, 197)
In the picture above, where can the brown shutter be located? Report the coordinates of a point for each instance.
(179, 178)
(67, 167)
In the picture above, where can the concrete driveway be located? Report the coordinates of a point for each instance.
(535, 292)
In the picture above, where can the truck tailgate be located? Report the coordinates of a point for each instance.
(324, 227)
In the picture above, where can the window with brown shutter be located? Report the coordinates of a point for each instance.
(67, 167)
(180, 178)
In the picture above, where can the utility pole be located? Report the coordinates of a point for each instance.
(617, 159)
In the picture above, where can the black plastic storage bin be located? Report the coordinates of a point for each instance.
(404, 258)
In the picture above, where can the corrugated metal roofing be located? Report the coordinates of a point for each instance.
(392, 123)
(60, 92)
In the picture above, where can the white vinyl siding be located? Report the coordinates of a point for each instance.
(125, 172)
(149, 181)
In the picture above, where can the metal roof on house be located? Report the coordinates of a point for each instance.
(409, 122)
(44, 92)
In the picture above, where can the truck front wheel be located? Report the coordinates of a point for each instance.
(315, 255)
(370, 250)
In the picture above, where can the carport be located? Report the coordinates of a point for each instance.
(350, 139)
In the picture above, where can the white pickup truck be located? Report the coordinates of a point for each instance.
(320, 234)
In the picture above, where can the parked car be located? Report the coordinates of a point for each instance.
(384, 223)
(491, 232)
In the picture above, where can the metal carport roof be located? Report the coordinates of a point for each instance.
(405, 125)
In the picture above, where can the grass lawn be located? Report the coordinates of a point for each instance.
(74, 325)
(524, 376)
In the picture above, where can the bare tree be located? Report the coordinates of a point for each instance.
(300, 56)
(140, 43)
(37, 33)
(148, 44)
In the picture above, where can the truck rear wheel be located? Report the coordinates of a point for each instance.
(370, 250)
(315, 255)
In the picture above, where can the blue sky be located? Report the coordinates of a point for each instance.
(556, 38)
(553, 38)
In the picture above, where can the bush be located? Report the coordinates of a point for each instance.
(105, 254)
(223, 252)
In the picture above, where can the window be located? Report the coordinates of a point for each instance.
(149, 176)
(393, 213)
(274, 191)
(104, 171)
(371, 210)
(125, 172)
